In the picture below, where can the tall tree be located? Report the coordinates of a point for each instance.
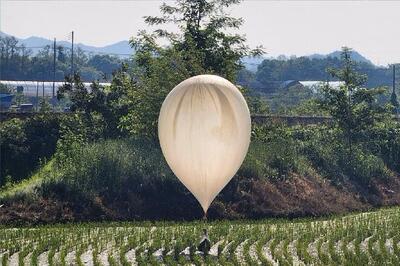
(201, 45)
(393, 98)
(202, 39)
(353, 107)
(394, 101)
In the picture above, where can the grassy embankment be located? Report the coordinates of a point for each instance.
(290, 172)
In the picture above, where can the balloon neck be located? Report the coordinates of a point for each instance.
(205, 217)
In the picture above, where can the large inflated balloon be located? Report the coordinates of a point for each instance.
(204, 130)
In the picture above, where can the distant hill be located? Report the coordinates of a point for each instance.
(252, 63)
(3, 34)
(356, 56)
(121, 48)
(268, 76)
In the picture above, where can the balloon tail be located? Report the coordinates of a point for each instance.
(205, 217)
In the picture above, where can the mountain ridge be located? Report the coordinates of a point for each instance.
(123, 49)
(356, 56)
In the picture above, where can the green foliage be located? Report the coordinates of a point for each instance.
(278, 151)
(95, 165)
(257, 105)
(202, 46)
(5, 89)
(99, 107)
(106, 64)
(156, 78)
(309, 107)
(129, 175)
(354, 109)
(23, 143)
(327, 151)
(20, 63)
(105, 166)
(19, 98)
(203, 41)
(74, 133)
(385, 142)
(293, 99)
(272, 71)
(356, 239)
(273, 153)
(44, 106)
(395, 102)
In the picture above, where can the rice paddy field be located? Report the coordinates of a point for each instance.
(357, 239)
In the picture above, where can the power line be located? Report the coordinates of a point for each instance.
(72, 55)
(54, 65)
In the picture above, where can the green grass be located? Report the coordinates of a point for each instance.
(89, 168)
(26, 187)
(374, 236)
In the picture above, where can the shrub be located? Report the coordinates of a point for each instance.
(366, 166)
(326, 149)
(24, 142)
(103, 167)
(273, 153)
(125, 176)
(385, 142)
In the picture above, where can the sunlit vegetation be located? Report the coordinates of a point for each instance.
(102, 160)
(23, 63)
(356, 239)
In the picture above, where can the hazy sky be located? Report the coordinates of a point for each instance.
(284, 27)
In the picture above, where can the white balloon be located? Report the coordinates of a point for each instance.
(204, 130)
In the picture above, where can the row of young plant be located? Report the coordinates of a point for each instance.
(351, 240)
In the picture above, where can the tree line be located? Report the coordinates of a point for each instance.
(106, 153)
(271, 71)
(19, 62)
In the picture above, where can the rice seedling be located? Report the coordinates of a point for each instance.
(355, 239)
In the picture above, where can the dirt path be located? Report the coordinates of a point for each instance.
(43, 259)
(267, 253)
(239, 251)
(87, 257)
(70, 258)
(131, 256)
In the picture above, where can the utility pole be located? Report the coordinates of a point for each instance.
(394, 78)
(54, 68)
(23, 58)
(72, 55)
(37, 96)
(393, 98)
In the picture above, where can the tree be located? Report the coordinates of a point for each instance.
(101, 107)
(393, 97)
(5, 89)
(202, 41)
(201, 46)
(272, 71)
(353, 108)
(61, 57)
(394, 102)
(19, 63)
(105, 63)
(24, 143)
